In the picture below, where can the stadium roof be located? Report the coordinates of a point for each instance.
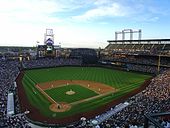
(144, 41)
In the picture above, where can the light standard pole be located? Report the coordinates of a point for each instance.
(159, 59)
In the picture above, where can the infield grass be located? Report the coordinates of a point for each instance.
(59, 94)
(124, 81)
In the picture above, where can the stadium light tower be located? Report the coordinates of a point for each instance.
(130, 31)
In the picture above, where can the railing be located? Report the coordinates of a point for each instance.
(151, 118)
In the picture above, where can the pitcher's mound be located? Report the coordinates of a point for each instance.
(71, 92)
(61, 107)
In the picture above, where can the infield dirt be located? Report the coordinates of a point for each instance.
(36, 115)
(99, 88)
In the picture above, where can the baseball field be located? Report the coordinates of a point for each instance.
(67, 91)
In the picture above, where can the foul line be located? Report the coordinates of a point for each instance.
(46, 95)
(91, 98)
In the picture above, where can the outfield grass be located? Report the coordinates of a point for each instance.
(59, 94)
(124, 81)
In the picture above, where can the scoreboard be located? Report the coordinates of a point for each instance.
(47, 50)
(50, 51)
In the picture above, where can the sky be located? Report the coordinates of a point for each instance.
(81, 23)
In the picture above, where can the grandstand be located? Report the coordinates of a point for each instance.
(151, 56)
(154, 47)
(147, 108)
(138, 46)
(150, 46)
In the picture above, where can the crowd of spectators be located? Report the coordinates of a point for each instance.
(51, 62)
(9, 70)
(153, 61)
(143, 52)
(141, 49)
(8, 73)
(141, 64)
(154, 99)
(145, 68)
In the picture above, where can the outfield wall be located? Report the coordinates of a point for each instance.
(36, 117)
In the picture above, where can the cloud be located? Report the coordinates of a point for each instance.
(23, 22)
(25, 11)
(132, 9)
(36, 11)
(103, 2)
(112, 10)
(39, 6)
(146, 18)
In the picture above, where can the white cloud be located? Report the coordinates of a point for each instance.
(147, 18)
(34, 6)
(103, 2)
(112, 10)
(38, 6)
(23, 22)
(20, 11)
(36, 11)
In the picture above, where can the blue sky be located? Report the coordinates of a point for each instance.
(81, 23)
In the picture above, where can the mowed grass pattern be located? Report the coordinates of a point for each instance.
(59, 94)
(124, 81)
(110, 77)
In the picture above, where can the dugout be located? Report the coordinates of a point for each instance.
(10, 104)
